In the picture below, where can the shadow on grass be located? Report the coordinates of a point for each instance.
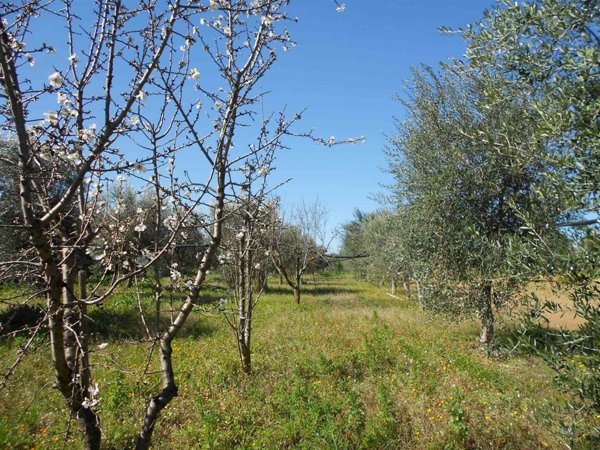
(533, 339)
(312, 290)
(128, 325)
(20, 319)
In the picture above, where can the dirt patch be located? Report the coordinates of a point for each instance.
(565, 317)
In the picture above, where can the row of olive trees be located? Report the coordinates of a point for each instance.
(496, 169)
(124, 96)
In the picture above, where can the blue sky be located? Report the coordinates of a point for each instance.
(346, 69)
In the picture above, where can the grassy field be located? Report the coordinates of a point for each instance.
(349, 368)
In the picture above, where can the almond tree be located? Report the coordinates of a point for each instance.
(76, 145)
(244, 254)
(240, 41)
(298, 245)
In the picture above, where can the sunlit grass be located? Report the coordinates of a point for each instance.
(348, 368)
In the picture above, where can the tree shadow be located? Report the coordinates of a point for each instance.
(311, 290)
(533, 339)
(21, 319)
(114, 325)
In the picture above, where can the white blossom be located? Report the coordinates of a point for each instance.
(56, 80)
(88, 134)
(87, 403)
(94, 390)
(62, 99)
(73, 59)
(341, 8)
(51, 117)
(68, 112)
(140, 227)
(194, 74)
(133, 121)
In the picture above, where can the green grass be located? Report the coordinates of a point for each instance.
(349, 368)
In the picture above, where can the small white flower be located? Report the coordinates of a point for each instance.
(194, 74)
(30, 59)
(88, 134)
(51, 117)
(121, 178)
(103, 346)
(100, 257)
(62, 99)
(222, 302)
(140, 227)
(139, 167)
(140, 95)
(264, 169)
(218, 105)
(68, 112)
(341, 8)
(133, 121)
(87, 403)
(73, 59)
(73, 157)
(56, 80)
(213, 5)
(94, 390)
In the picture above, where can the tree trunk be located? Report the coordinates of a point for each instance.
(88, 420)
(297, 294)
(264, 281)
(406, 287)
(245, 299)
(245, 353)
(420, 297)
(487, 315)
(157, 403)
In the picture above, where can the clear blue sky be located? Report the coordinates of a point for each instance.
(346, 69)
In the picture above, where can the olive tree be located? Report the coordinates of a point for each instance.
(465, 171)
(549, 51)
